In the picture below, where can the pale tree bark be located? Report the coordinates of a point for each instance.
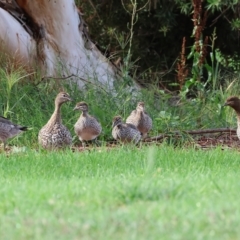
(51, 35)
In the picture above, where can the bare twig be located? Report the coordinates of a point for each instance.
(94, 8)
(56, 78)
(216, 19)
(134, 19)
(72, 75)
(215, 130)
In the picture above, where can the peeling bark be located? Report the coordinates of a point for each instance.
(51, 34)
(15, 41)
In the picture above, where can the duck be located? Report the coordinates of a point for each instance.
(140, 119)
(124, 132)
(54, 134)
(87, 127)
(234, 102)
(9, 129)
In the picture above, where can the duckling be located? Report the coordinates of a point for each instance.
(124, 132)
(140, 119)
(87, 127)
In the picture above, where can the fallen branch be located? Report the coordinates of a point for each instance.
(191, 132)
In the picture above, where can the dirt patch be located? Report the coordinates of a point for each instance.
(206, 140)
(225, 140)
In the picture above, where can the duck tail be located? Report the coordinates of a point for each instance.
(23, 128)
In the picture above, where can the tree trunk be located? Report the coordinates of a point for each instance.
(52, 35)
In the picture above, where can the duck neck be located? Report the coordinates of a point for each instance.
(139, 112)
(85, 113)
(116, 123)
(238, 118)
(56, 116)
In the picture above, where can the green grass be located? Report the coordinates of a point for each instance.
(124, 193)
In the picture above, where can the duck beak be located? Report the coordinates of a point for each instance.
(225, 104)
(76, 108)
(113, 124)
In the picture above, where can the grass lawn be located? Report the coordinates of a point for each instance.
(125, 193)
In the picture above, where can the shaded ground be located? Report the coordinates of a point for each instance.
(225, 140)
(202, 139)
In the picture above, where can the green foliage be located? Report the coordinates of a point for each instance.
(8, 86)
(236, 24)
(157, 33)
(216, 5)
(210, 67)
(201, 65)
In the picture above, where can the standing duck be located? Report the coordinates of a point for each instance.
(87, 127)
(9, 130)
(140, 119)
(234, 102)
(54, 134)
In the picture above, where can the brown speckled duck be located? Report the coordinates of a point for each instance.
(234, 102)
(54, 134)
(124, 132)
(87, 127)
(9, 130)
(140, 119)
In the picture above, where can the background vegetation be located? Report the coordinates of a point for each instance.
(184, 52)
(174, 44)
(30, 102)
